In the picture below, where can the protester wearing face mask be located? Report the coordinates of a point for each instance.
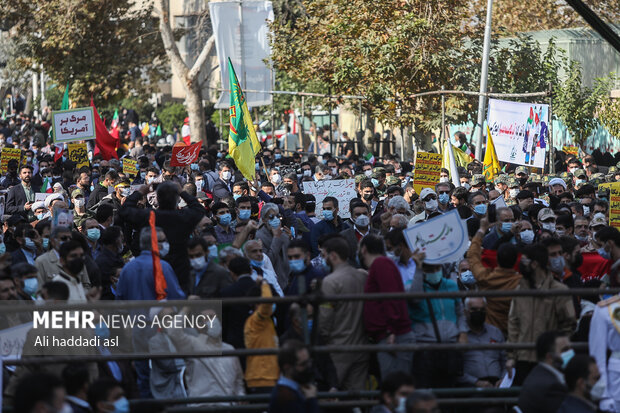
(79, 202)
(222, 188)
(275, 238)
(503, 277)
(299, 262)
(478, 202)
(444, 175)
(581, 374)
(331, 223)
(367, 194)
(597, 223)
(105, 395)
(444, 193)
(502, 231)
(434, 369)
(546, 219)
(482, 369)
(208, 376)
(223, 230)
(208, 278)
(429, 198)
(29, 245)
(360, 218)
(524, 323)
(395, 388)
(544, 389)
(582, 230)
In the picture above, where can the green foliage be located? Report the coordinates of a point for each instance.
(609, 112)
(577, 105)
(171, 114)
(54, 95)
(141, 105)
(215, 118)
(106, 48)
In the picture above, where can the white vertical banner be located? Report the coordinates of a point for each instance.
(520, 131)
(241, 34)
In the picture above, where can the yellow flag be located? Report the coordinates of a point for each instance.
(491, 164)
(460, 157)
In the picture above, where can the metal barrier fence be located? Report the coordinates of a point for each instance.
(314, 298)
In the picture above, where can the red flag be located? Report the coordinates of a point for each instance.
(58, 151)
(187, 139)
(183, 155)
(158, 274)
(105, 143)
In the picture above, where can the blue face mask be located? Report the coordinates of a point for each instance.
(278, 156)
(46, 243)
(603, 253)
(93, 234)
(467, 278)
(274, 222)
(194, 167)
(236, 196)
(31, 285)
(121, 405)
(257, 264)
(375, 182)
(244, 214)
(506, 227)
(325, 266)
(433, 277)
(225, 219)
(480, 209)
(328, 215)
(444, 199)
(297, 265)
(40, 216)
(102, 331)
(310, 325)
(29, 244)
(567, 356)
(213, 251)
(2, 248)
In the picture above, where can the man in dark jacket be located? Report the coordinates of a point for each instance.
(236, 315)
(178, 224)
(294, 391)
(208, 277)
(222, 188)
(299, 263)
(331, 223)
(581, 375)
(21, 197)
(544, 389)
(101, 189)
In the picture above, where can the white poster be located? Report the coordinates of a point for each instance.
(12, 341)
(341, 189)
(241, 33)
(73, 125)
(443, 239)
(520, 131)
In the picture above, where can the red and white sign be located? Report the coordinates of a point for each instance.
(183, 155)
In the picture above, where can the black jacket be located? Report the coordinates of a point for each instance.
(97, 195)
(214, 279)
(178, 225)
(235, 315)
(541, 392)
(16, 199)
(221, 190)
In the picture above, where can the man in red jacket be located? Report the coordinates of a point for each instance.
(386, 321)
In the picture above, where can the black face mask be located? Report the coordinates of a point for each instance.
(477, 318)
(522, 181)
(526, 271)
(305, 376)
(367, 197)
(75, 266)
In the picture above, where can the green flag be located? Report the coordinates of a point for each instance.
(158, 131)
(65, 99)
(243, 144)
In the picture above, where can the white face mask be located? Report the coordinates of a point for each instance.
(514, 192)
(368, 173)
(444, 179)
(79, 203)
(276, 179)
(226, 175)
(549, 226)
(431, 205)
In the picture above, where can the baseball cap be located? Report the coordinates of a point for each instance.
(598, 219)
(521, 170)
(426, 192)
(545, 214)
(580, 173)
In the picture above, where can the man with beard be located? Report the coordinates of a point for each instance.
(529, 317)
(21, 197)
(295, 390)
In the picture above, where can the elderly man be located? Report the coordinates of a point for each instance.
(481, 368)
(502, 231)
(546, 219)
(261, 265)
(429, 198)
(275, 238)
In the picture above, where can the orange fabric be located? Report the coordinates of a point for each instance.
(158, 274)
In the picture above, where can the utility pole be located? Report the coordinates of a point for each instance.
(483, 79)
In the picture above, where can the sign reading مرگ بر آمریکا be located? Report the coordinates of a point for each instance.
(443, 239)
(520, 131)
(130, 166)
(73, 125)
(7, 155)
(426, 172)
(78, 153)
(614, 204)
(341, 189)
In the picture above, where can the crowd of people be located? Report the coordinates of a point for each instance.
(222, 236)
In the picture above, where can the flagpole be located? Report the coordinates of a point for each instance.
(454, 174)
(483, 78)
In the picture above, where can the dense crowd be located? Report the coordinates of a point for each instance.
(221, 236)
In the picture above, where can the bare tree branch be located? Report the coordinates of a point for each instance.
(202, 57)
(178, 65)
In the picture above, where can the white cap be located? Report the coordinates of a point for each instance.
(426, 192)
(51, 198)
(38, 205)
(557, 181)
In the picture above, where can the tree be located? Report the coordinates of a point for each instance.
(372, 48)
(189, 76)
(105, 48)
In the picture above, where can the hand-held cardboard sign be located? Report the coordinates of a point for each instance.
(183, 155)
